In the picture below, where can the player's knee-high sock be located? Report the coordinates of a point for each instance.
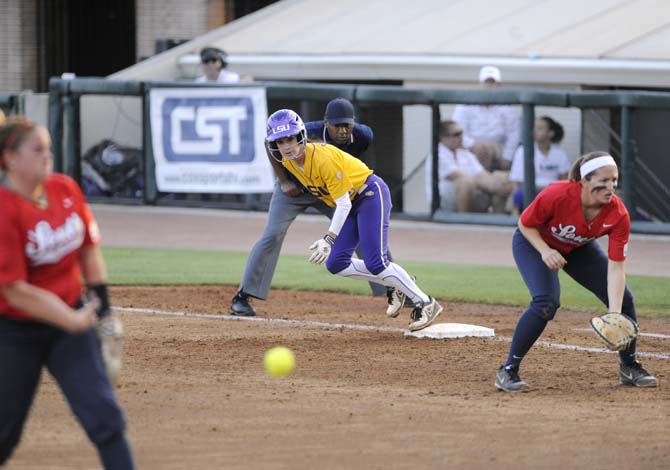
(357, 270)
(628, 356)
(628, 308)
(115, 453)
(393, 276)
(527, 331)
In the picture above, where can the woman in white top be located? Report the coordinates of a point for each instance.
(551, 161)
(214, 67)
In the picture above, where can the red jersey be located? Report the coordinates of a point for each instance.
(41, 245)
(557, 214)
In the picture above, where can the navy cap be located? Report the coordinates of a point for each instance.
(340, 111)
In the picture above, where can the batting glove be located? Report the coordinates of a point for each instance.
(321, 249)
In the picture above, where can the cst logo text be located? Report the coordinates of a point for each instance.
(208, 130)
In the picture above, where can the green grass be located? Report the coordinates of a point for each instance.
(485, 284)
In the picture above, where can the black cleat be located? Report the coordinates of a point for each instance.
(508, 380)
(240, 306)
(634, 374)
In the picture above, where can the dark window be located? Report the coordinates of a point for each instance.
(244, 7)
(88, 38)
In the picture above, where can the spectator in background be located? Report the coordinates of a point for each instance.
(551, 161)
(2, 117)
(491, 132)
(214, 67)
(464, 184)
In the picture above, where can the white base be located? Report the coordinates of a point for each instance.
(451, 330)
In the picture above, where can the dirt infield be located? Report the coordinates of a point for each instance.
(197, 397)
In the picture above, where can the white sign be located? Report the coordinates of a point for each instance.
(210, 140)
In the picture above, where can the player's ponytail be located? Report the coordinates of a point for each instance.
(575, 170)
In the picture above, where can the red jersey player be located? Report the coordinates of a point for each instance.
(558, 231)
(48, 241)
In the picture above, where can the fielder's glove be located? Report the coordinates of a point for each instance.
(110, 333)
(321, 249)
(615, 329)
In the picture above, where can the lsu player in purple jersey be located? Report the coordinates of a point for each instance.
(362, 204)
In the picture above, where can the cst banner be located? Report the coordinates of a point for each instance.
(210, 140)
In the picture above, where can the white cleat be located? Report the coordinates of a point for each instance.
(396, 300)
(424, 314)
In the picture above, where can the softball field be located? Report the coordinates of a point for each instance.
(363, 395)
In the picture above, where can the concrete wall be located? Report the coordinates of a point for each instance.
(162, 19)
(18, 45)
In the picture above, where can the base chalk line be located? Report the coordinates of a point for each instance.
(348, 326)
(649, 335)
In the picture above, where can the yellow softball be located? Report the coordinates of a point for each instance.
(279, 361)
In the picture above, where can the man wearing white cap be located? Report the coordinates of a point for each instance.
(492, 132)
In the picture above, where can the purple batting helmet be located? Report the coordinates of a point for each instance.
(284, 123)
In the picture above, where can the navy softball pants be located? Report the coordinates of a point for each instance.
(76, 363)
(367, 224)
(587, 265)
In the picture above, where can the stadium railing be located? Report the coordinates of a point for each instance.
(64, 113)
